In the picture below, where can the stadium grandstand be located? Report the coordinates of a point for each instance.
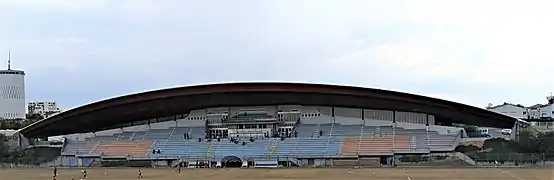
(260, 125)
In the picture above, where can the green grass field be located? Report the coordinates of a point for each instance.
(289, 174)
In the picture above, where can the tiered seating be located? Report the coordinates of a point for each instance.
(418, 139)
(158, 134)
(325, 128)
(104, 138)
(349, 146)
(225, 147)
(125, 136)
(308, 147)
(369, 130)
(387, 130)
(79, 147)
(346, 139)
(346, 130)
(124, 148)
(178, 133)
(402, 142)
(172, 142)
(197, 132)
(377, 144)
(306, 130)
(141, 149)
(413, 142)
(421, 140)
(189, 148)
(437, 142)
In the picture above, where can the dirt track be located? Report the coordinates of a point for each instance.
(289, 174)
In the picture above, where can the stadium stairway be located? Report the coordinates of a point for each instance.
(413, 142)
(271, 149)
(209, 151)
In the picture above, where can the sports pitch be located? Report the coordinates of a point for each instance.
(287, 174)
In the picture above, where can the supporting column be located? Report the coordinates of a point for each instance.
(516, 131)
(427, 133)
(393, 130)
(393, 116)
(427, 119)
(363, 116)
(333, 114)
(175, 119)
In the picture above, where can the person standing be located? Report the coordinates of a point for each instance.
(84, 172)
(139, 175)
(55, 172)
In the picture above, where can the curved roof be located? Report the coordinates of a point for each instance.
(167, 102)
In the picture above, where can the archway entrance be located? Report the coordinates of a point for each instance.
(231, 162)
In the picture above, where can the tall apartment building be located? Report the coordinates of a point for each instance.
(12, 92)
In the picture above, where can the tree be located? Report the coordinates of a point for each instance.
(4, 150)
(34, 117)
(528, 142)
(545, 143)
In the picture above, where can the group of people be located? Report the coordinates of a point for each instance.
(84, 174)
(156, 151)
(55, 174)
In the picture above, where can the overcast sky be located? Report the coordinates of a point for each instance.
(474, 52)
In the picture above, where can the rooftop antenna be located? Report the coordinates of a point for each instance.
(9, 59)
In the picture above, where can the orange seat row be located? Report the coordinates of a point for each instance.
(124, 148)
(379, 144)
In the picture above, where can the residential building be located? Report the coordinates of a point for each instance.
(44, 108)
(514, 110)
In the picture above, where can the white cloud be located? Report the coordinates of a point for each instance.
(505, 43)
(397, 44)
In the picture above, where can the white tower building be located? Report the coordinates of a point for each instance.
(12, 92)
